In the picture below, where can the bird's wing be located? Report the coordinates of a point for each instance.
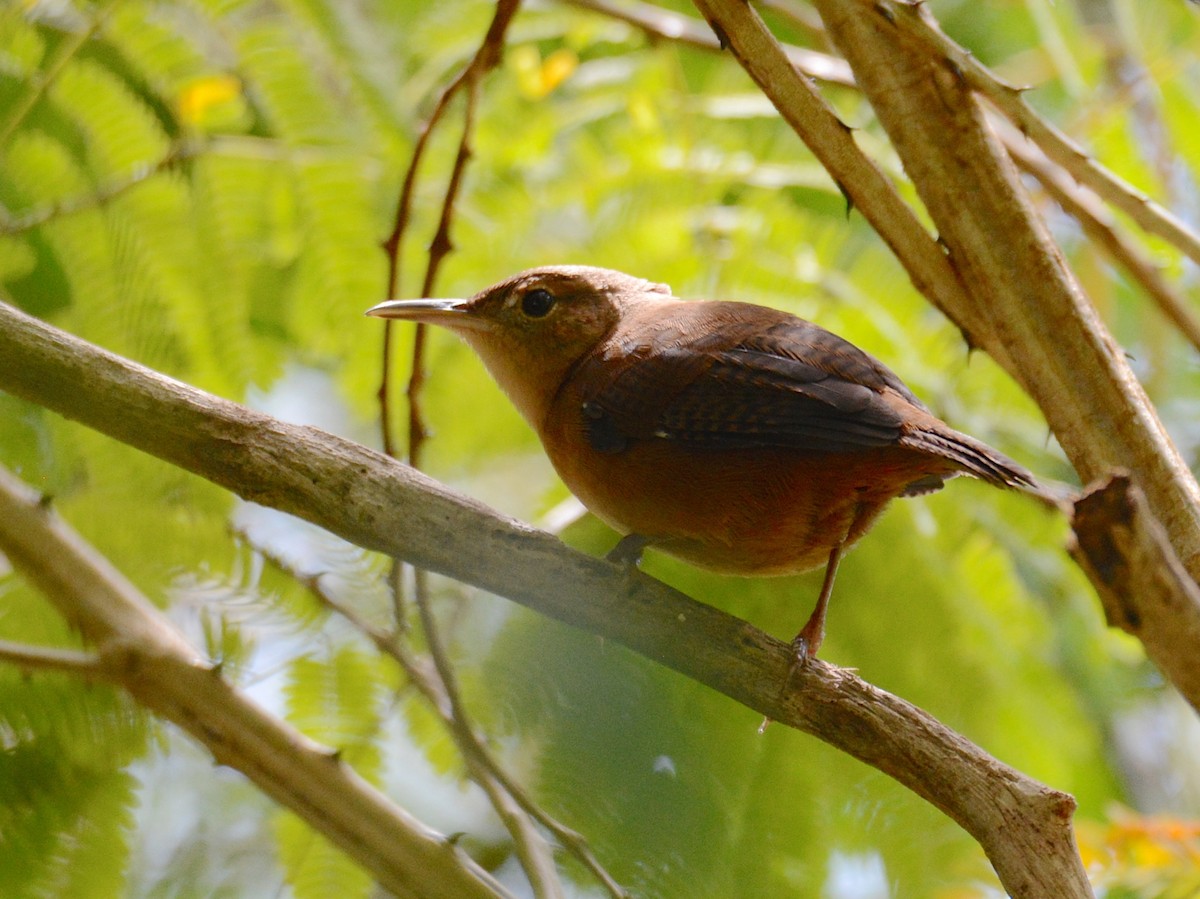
(778, 382)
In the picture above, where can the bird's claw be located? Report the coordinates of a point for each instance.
(800, 653)
(628, 551)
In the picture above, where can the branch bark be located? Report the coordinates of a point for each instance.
(380, 504)
(1101, 227)
(140, 651)
(1144, 589)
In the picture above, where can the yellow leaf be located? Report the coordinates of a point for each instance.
(557, 68)
(536, 77)
(199, 97)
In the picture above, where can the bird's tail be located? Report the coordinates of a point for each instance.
(980, 460)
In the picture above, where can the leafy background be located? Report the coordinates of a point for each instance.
(204, 185)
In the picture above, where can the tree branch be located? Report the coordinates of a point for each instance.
(140, 651)
(1038, 315)
(486, 58)
(659, 23)
(859, 177)
(918, 23)
(382, 505)
(1144, 589)
(51, 658)
(1098, 223)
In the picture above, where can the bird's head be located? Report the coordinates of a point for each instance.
(532, 328)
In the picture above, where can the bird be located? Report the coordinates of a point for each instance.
(737, 437)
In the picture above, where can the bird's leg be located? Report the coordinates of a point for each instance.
(806, 643)
(628, 551)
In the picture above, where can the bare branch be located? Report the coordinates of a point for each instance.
(918, 23)
(144, 654)
(535, 854)
(859, 177)
(382, 505)
(1145, 590)
(1097, 222)
(664, 24)
(439, 248)
(486, 58)
(1037, 316)
(50, 658)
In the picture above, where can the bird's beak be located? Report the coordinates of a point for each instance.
(454, 314)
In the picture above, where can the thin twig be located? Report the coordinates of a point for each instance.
(919, 24)
(532, 850)
(666, 25)
(439, 248)
(1098, 223)
(40, 216)
(534, 853)
(50, 658)
(485, 59)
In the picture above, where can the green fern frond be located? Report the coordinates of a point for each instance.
(286, 87)
(89, 858)
(120, 130)
(336, 701)
(314, 868)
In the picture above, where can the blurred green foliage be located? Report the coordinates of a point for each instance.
(204, 187)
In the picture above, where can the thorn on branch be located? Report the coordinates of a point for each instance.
(722, 37)
(970, 343)
(846, 195)
(441, 245)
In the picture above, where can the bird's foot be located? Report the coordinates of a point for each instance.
(628, 551)
(806, 643)
(804, 649)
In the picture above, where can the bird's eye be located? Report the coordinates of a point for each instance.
(537, 303)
